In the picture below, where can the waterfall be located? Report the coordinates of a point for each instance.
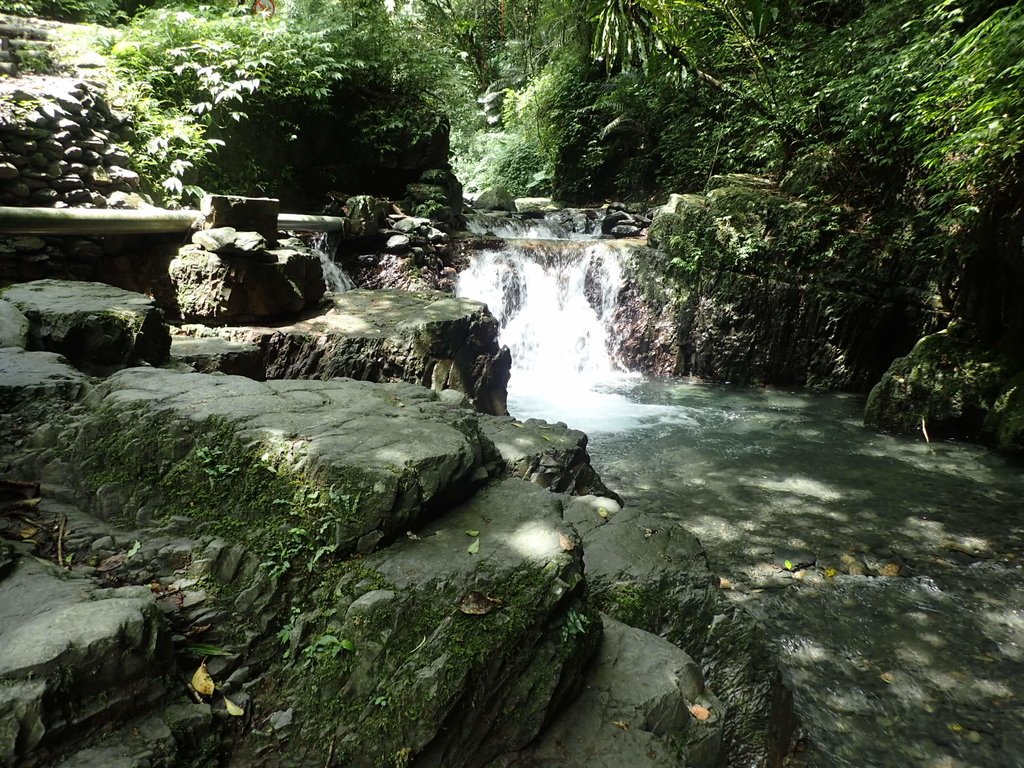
(335, 277)
(325, 244)
(555, 302)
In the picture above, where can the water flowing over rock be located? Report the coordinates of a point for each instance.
(554, 303)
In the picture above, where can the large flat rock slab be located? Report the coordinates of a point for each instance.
(72, 657)
(426, 338)
(372, 458)
(97, 327)
(29, 375)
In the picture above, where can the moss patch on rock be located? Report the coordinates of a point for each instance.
(949, 383)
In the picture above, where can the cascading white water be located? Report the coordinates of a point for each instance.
(555, 303)
(324, 244)
(335, 277)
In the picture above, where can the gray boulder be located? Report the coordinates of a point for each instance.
(495, 199)
(230, 287)
(366, 215)
(27, 376)
(551, 455)
(73, 657)
(97, 327)
(256, 214)
(427, 338)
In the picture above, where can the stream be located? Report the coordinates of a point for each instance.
(888, 572)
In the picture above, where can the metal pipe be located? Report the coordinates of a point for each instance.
(109, 221)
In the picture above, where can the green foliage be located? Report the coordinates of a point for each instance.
(967, 121)
(261, 91)
(89, 11)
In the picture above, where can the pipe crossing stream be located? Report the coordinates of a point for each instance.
(888, 573)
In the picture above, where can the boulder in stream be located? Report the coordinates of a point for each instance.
(948, 385)
(495, 199)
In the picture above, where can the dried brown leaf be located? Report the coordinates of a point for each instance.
(700, 712)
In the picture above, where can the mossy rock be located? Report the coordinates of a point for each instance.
(1005, 422)
(664, 227)
(460, 644)
(949, 382)
(746, 209)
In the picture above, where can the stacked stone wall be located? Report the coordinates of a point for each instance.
(60, 146)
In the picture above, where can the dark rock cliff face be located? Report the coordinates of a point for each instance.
(747, 286)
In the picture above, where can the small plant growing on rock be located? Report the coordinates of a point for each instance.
(575, 624)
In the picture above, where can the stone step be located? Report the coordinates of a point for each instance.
(73, 657)
(28, 44)
(20, 31)
(153, 741)
(8, 68)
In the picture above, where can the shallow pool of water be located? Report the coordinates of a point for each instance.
(888, 571)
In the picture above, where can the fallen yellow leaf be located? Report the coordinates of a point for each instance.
(701, 713)
(202, 682)
(233, 709)
(621, 724)
(888, 677)
(830, 573)
(724, 583)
